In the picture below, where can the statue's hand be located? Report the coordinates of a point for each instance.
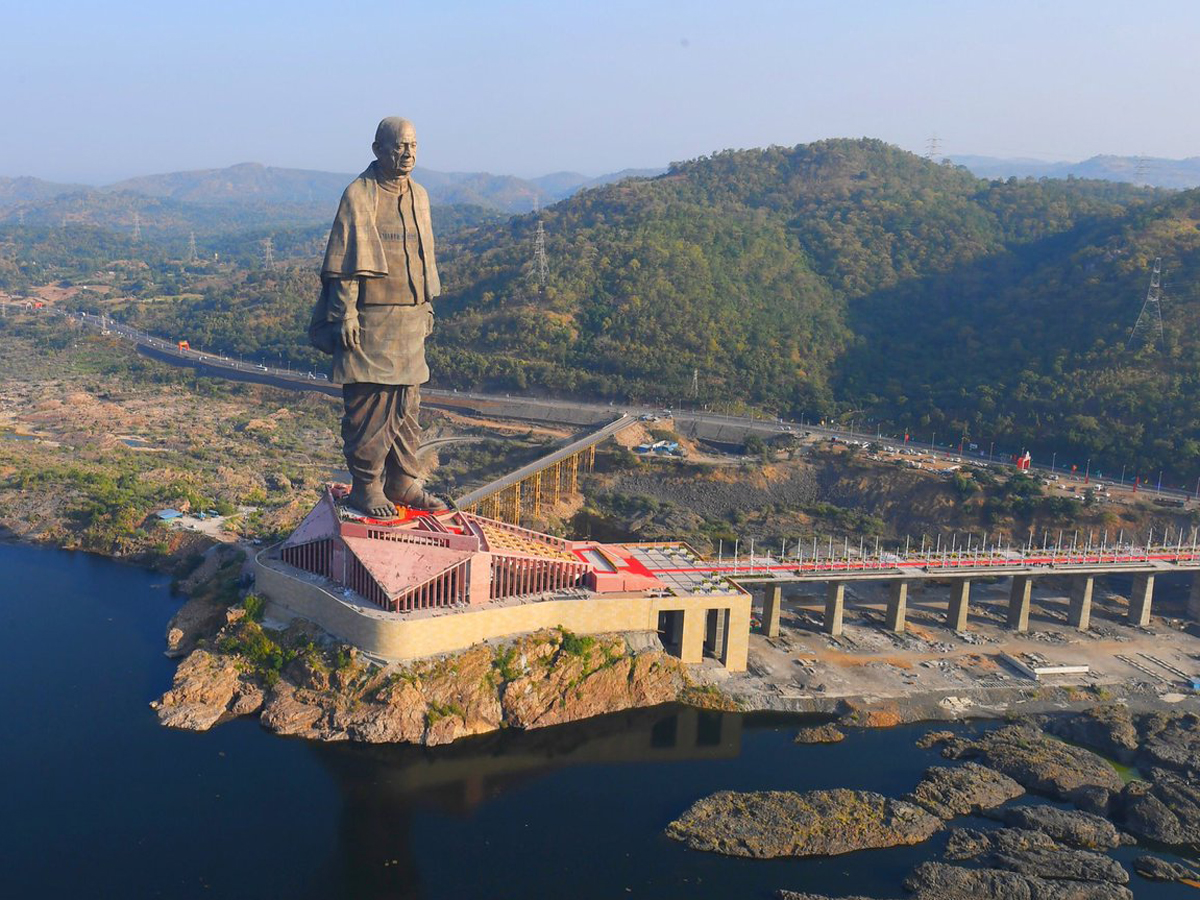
(350, 333)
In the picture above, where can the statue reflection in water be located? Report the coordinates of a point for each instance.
(385, 787)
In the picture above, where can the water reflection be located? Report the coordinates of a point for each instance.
(388, 791)
(456, 778)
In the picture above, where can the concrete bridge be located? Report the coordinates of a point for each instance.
(1022, 565)
(541, 482)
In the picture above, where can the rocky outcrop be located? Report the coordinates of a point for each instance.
(208, 689)
(960, 791)
(1171, 741)
(327, 693)
(1156, 869)
(938, 881)
(1038, 761)
(1070, 827)
(1109, 729)
(1032, 853)
(1165, 809)
(967, 843)
(766, 824)
(1072, 865)
(820, 734)
(211, 588)
(935, 738)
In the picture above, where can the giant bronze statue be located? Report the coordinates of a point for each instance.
(378, 281)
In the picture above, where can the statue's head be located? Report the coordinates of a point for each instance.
(395, 147)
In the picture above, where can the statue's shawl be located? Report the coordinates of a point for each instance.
(355, 248)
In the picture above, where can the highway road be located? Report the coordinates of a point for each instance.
(703, 424)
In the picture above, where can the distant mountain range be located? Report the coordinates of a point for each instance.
(1180, 174)
(253, 195)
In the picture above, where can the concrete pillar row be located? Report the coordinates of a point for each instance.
(1018, 602)
(1080, 614)
(772, 602)
(835, 607)
(960, 605)
(1141, 599)
(897, 607)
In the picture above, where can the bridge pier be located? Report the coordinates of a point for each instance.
(1193, 607)
(897, 608)
(737, 637)
(772, 601)
(1141, 599)
(1080, 614)
(835, 607)
(691, 641)
(960, 605)
(1018, 602)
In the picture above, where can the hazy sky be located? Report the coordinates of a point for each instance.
(96, 91)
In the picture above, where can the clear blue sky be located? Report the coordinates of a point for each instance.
(96, 91)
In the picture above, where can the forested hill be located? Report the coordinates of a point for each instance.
(850, 278)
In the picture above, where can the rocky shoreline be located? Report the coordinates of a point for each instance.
(1060, 745)
(301, 683)
(1039, 852)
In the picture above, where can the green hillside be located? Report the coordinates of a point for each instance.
(842, 279)
(850, 277)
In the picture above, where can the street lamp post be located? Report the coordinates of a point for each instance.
(1053, 459)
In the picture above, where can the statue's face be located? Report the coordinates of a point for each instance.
(397, 153)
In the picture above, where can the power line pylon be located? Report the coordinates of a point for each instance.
(268, 253)
(1141, 164)
(539, 258)
(191, 256)
(137, 228)
(933, 148)
(1149, 325)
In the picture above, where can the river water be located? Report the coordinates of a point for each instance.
(99, 801)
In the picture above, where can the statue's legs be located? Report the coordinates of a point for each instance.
(371, 419)
(381, 433)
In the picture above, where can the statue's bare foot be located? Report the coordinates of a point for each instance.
(370, 499)
(408, 492)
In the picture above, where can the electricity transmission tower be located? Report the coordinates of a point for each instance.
(191, 256)
(268, 253)
(539, 257)
(1139, 170)
(137, 228)
(933, 148)
(1149, 325)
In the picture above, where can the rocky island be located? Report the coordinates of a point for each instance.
(300, 684)
(1040, 852)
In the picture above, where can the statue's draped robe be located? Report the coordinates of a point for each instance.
(379, 263)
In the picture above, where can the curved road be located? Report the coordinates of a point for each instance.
(704, 424)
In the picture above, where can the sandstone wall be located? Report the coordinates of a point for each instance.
(393, 637)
